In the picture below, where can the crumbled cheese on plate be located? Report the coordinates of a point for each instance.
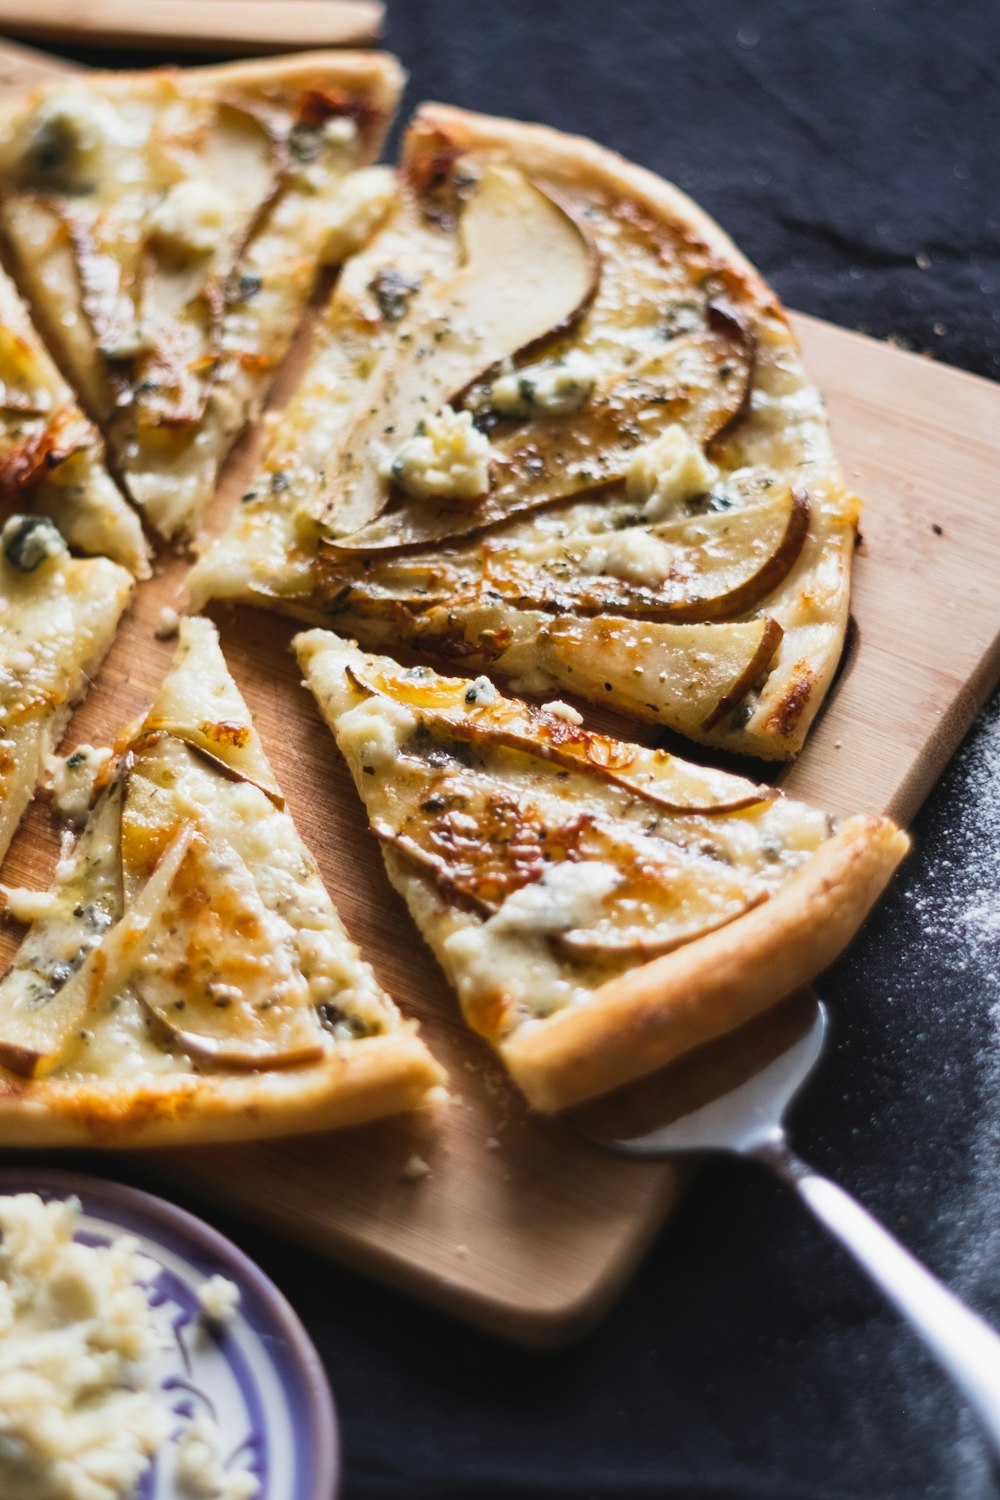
(76, 1421)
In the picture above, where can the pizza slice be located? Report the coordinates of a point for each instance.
(187, 978)
(50, 455)
(58, 616)
(557, 427)
(168, 227)
(599, 908)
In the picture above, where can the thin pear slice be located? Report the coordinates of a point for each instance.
(539, 732)
(701, 381)
(684, 677)
(529, 270)
(34, 1032)
(223, 744)
(663, 894)
(712, 567)
(691, 676)
(259, 1013)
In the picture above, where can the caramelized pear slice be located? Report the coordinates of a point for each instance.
(529, 270)
(222, 744)
(180, 296)
(701, 380)
(35, 1029)
(538, 732)
(711, 567)
(691, 676)
(227, 742)
(683, 677)
(248, 1009)
(25, 388)
(661, 894)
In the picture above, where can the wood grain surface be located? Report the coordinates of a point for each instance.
(192, 26)
(519, 1226)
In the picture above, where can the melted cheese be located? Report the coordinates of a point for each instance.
(73, 780)
(164, 161)
(602, 875)
(56, 623)
(246, 950)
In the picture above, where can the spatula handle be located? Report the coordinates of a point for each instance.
(966, 1346)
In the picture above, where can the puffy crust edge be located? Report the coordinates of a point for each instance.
(543, 149)
(379, 1076)
(381, 73)
(651, 1015)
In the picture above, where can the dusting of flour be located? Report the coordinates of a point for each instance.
(959, 914)
(967, 923)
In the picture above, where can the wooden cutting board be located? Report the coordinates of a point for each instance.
(520, 1227)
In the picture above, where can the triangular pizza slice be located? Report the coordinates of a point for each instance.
(51, 456)
(599, 908)
(58, 616)
(187, 977)
(557, 428)
(168, 227)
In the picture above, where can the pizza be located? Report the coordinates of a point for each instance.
(58, 616)
(555, 427)
(50, 455)
(600, 908)
(168, 228)
(186, 977)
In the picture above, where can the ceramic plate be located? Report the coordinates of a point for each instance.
(258, 1377)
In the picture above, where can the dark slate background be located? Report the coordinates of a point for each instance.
(851, 150)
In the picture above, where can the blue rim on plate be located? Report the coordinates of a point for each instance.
(259, 1375)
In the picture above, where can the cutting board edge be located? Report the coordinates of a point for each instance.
(556, 1324)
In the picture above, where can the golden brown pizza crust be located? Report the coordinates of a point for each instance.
(384, 1076)
(543, 151)
(647, 1017)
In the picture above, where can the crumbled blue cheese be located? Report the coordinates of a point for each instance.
(568, 895)
(357, 209)
(549, 388)
(510, 950)
(375, 731)
(668, 471)
(446, 458)
(75, 1320)
(28, 541)
(73, 778)
(70, 132)
(481, 693)
(189, 218)
(219, 1299)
